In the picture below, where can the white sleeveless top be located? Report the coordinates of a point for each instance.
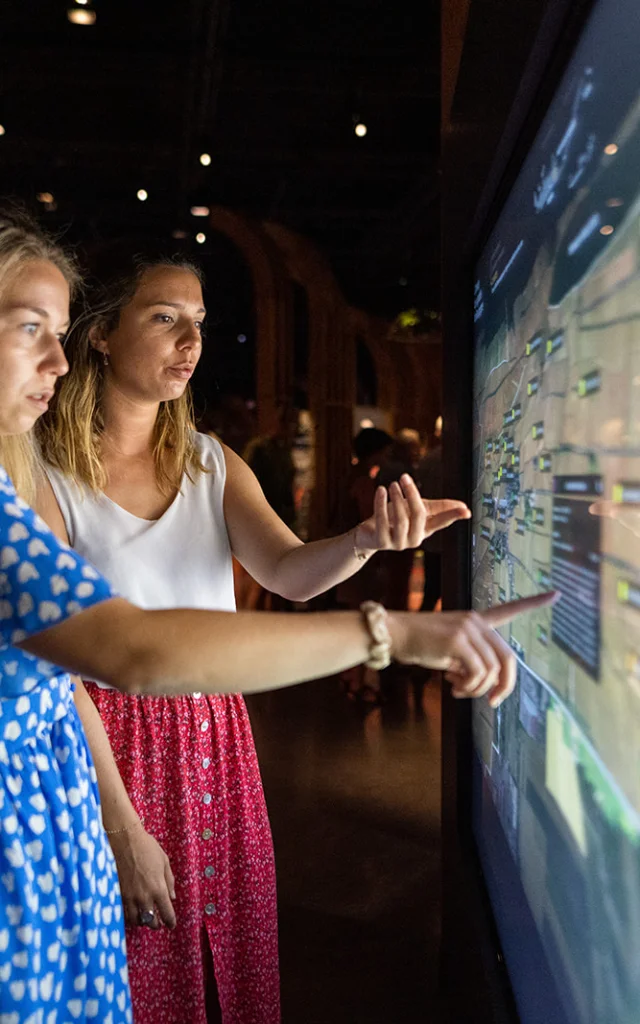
(182, 560)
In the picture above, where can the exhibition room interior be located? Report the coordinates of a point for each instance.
(417, 228)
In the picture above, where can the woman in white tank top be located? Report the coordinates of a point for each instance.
(159, 509)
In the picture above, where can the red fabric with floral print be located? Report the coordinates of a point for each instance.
(190, 768)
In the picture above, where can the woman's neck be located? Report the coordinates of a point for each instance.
(128, 423)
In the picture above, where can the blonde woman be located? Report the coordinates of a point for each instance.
(62, 945)
(160, 510)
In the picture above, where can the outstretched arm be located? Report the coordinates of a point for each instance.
(279, 561)
(183, 650)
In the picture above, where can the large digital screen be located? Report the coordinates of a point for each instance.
(556, 501)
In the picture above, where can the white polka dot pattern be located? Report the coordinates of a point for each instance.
(62, 948)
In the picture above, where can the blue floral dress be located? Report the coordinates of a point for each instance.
(62, 947)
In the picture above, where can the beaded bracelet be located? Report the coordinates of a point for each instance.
(376, 621)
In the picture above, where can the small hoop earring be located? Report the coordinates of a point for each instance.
(105, 358)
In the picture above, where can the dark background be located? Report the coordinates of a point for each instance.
(272, 92)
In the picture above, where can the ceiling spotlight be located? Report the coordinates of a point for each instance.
(606, 229)
(205, 159)
(77, 17)
(201, 237)
(360, 130)
(82, 3)
(178, 233)
(611, 149)
(199, 211)
(142, 194)
(2, 129)
(44, 197)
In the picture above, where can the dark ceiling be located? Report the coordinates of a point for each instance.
(269, 90)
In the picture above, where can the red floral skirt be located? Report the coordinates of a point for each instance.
(190, 768)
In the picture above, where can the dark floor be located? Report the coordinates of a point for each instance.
(355, 808)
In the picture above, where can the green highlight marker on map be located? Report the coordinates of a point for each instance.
(604, 793)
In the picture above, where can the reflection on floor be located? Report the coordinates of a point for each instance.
(353, 796)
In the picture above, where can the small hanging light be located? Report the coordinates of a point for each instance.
(81, 17)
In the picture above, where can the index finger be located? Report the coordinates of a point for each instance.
(506, 612)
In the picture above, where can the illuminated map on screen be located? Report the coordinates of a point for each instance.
(557, 504)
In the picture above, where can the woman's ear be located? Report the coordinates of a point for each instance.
(97, 339)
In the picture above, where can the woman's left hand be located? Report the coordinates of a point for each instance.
(403, 519)
(146, 880)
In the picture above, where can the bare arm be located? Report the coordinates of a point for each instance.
(146, 879)
(182, 650)
(279, 561)
(117, 810)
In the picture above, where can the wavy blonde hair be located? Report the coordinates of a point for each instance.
(70, 433)
(21, 242)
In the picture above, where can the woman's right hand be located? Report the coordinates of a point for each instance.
(465, 646)
(146, 879)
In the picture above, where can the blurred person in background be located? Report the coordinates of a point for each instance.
(270, 458)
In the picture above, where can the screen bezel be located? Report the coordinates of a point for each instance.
(560, 29)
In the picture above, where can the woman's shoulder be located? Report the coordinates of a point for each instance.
(211, 456)
(42, 581)
(208, 446)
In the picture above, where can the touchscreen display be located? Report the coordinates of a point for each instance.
(556, 503)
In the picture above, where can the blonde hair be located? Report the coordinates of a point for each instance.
(21, 242)
(70, 433)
